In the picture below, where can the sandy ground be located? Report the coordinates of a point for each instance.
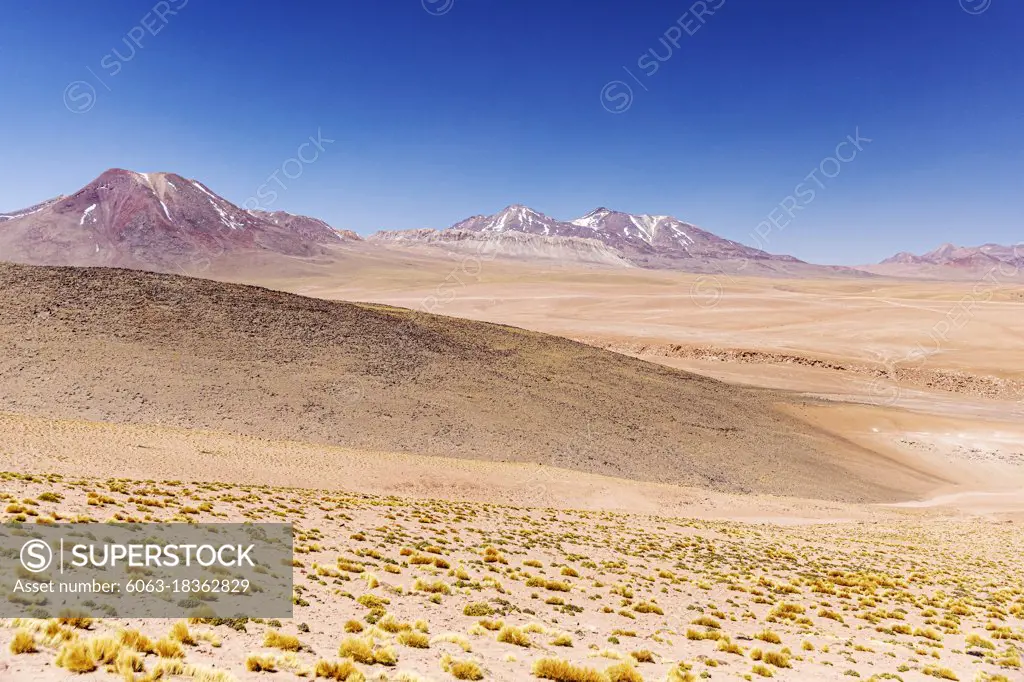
(630, 597)
(135, 348)
(933, 356)
(971, 327)
(633, 580)
(70, 447)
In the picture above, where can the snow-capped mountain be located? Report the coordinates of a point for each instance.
(156, 221)
(515, 218)
(648, 240)
(664, 236)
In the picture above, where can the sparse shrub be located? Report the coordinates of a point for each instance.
(257, 663)
(359, 649)
(342, 671)
(436, 587)
(461, 669)
(492, 555)
(707, 621)
(180, 633)
(491, 625)
(168, 648)
(728, 646)
(104, 649)
(79, 622)
(277, 640)
(416, 640)
(562, 639)
(623, 672)
(477, 609)
(777, 658)
(831, 615)
(680, 673)
(553, 585)
(941, 673)
(648, 607)
(561, 670)
(135, 640)
(77, 657)
(24, 642)
(453, 638)
(979, 641)
(127, 663)
(385, 656)
(510, 634)
(391, 624)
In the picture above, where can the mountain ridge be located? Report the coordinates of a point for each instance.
(158, 221)
(640, 239)
(962, 256)
(168, 223)
(510, 243)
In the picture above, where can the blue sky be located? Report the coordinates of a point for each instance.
(442, 109)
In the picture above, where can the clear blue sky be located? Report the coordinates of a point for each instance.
(437, 116)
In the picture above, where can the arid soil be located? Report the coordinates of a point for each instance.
(947, 347)
(478, 501)
(389, 588)
(880, 373)
(127, 347)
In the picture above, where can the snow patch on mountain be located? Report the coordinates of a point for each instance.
(86, 213)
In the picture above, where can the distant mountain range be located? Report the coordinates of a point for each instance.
(165, 222)
(949, 255)
(612, 238)
(644, 240)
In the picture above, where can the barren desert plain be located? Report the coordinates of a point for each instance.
(727, 478)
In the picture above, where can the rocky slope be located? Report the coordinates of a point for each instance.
(311, 229)
(510, 243)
